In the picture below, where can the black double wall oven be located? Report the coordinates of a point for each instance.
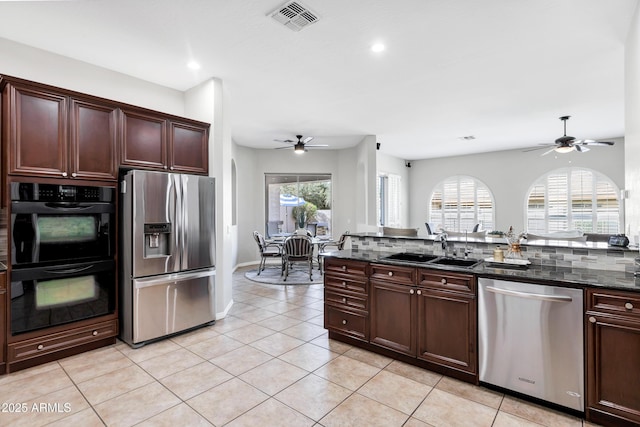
(62, 254)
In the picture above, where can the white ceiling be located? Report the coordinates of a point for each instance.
(501, 70)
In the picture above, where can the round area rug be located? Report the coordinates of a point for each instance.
(271, 276)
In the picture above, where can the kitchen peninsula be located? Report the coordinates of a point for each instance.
(426, 313)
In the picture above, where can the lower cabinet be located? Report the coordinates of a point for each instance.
(613, 357)
(52, 346)
(3, 321)
(426, 314)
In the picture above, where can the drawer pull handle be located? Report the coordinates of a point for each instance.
(411, 291)
(40, 346)
(443, 281)
(592, 319)
(344, 322)
(628, 306)
(419, 292)
(94, 333)
(390, 273)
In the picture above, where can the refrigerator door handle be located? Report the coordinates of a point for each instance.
(177, 277)
(184, 225)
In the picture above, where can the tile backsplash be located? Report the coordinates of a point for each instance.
(596, 258)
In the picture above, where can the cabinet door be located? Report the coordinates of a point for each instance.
(613, 373)
(144, 140)
(392, 314)
(188, 148)
(37, 131)
(93, 141)
(447, 329)
(3, 320)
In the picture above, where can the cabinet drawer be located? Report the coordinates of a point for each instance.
(55, 342)
(345, 300)
(439, 279)
(335, 282)
(344, 266)
(346, 322)
(393, 273)
(614, 302)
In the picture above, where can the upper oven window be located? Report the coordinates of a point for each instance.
(67, 229)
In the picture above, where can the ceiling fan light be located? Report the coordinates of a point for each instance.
(298, 148)
(563, 149)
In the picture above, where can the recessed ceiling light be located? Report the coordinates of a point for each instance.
(193, 65)
(377, 47)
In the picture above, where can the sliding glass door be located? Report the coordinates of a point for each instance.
(297, 201)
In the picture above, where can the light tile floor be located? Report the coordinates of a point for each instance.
(268, 363)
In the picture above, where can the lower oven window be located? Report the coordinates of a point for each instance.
(50, 296)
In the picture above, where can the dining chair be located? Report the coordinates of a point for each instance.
(267, 250)
(297, 248)
(322, 248)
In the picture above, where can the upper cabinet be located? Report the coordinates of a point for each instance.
(53, 132)
(163, 142)
(56, 135)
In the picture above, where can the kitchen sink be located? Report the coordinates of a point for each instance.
(412, 257)
(457, 262)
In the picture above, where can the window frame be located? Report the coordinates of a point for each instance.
(568, 201)
(477, 217)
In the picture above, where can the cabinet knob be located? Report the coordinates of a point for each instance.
(419, 292)
(40, 347)
(443, 281)
(344, 321)
(344, 284)
(164, 167)
(390, 273)
(94, 333)
(171, 168)
(628, 306)
(344, 267)
(411, 291)
(344, 300)
(592, 319)
(64, 174)
(73, 174)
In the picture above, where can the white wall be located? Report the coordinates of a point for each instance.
(632, 124)
(29, 63)
(509, 175)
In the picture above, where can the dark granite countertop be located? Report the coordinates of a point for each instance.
(563, 276)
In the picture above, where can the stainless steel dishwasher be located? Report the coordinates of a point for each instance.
(531, 340)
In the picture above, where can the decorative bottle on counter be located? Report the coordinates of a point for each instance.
(498, 254)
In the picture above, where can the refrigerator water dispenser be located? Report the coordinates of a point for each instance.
(156, 239)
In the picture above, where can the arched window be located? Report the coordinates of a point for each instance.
(573, 199)
(459, 203)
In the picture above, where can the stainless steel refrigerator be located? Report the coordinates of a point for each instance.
(167, 256)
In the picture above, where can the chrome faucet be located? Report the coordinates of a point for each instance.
(443, 242)
(466, 245)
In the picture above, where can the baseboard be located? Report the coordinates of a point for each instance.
(226, 310)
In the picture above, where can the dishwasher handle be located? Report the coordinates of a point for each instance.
(552, 298)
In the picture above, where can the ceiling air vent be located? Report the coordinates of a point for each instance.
(294, 15)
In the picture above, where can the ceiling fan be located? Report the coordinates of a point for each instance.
(299, 146)
(567, 144)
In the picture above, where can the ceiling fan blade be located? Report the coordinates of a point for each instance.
(548, 151)
(592, 142)
(288, 141)
(581, 148)
(538, 148)
(307, 139)
(315, 145)
(281, 148)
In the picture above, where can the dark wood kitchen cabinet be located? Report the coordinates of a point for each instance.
(393, 308)
(54, 134)
(155, 141)
(3, 321)
(346, 296)
(447, 320)
(428, 314)
(613, 357)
